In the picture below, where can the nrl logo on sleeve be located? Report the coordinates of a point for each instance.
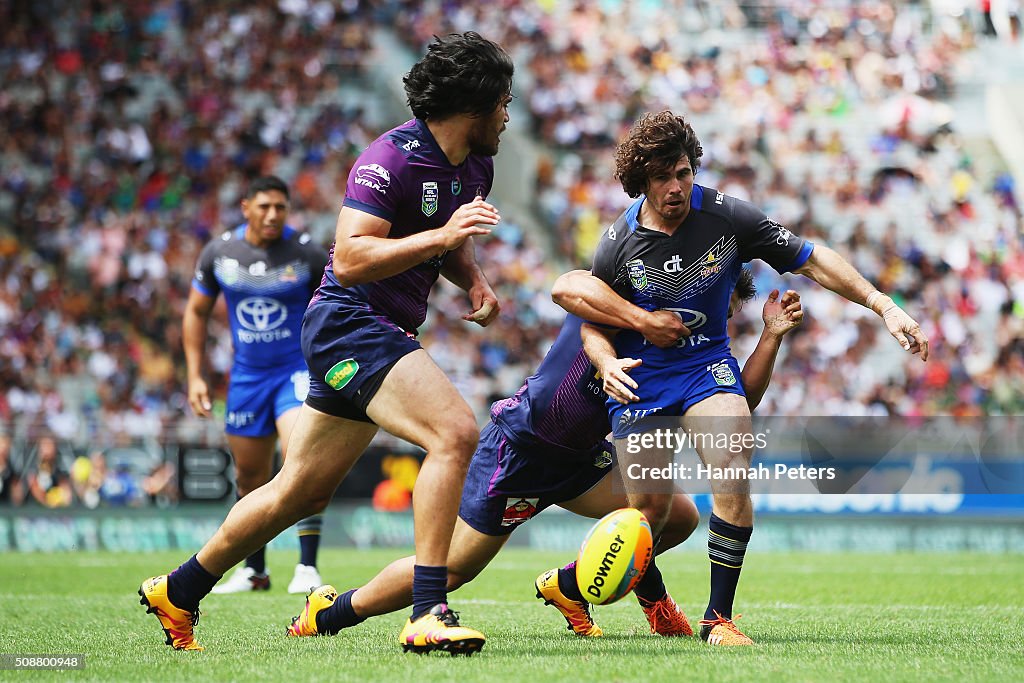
(429, 200)
(637, 274)
(373, 176)
(341, 373)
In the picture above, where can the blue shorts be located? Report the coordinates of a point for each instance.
(672, 397)
(507, 485)
(257, 398)
(349, 350)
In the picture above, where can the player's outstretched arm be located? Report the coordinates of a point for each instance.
(462, 269)
(780, 316)
(193, 334)
(363, 253)
(590, 298)
(832, 271)
(597, 344)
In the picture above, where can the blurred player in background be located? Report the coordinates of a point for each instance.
(414, 200)
(546, 446)
(267, 272)
(681, 247)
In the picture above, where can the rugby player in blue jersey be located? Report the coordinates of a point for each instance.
(681, 247)
(267, 272)
(546, 446)
(414, 200)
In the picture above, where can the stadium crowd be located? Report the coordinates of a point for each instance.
(129, 130)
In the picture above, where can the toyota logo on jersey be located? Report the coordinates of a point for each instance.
(261, 317)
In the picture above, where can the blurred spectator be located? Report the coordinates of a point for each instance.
(87, 477)
(11, 489)
(161, 484)
(48, 482)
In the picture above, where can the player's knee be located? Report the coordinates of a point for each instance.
(248, 479)
(457, 441)
(656, 509)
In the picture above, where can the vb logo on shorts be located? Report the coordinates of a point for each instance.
(342, 373)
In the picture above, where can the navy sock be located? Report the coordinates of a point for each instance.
(429, 587)
(258, 561)
(188, 584)
(309, 539)
(727, 544)
(651, 587)
(567, 582)
(338, 616)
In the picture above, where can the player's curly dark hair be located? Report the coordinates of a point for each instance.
(745, 287)
(461, 73)
(266, 183)
(655, 143)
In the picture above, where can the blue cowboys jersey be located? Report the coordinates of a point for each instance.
(691, 272)
(266, 291)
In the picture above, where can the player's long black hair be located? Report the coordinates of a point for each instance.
(461, 73)
(745, 287)
(655, 143)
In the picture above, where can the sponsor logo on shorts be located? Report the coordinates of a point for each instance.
(374, 176)
(630, 417)
(603, 460)
(518, 510)
(637, 274)
(723, 374)
(428, 201)
(240, 418)
(342, 373)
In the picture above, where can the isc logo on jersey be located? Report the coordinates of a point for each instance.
(260, 320)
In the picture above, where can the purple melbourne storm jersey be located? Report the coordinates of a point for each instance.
(692, 272)
(562, 405)
(266, 291)
(405, 178)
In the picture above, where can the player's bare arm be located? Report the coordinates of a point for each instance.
(780, 316)
(590, 298)
(462, 269)
(614, 371)
(194, 323)
(363, 253)
(832, 271)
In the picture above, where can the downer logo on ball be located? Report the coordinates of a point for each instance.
(614, 548)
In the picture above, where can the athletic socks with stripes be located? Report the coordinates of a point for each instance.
(727, 544)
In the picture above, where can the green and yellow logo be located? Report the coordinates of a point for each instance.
(342, 373)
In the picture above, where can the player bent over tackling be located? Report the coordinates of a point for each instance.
(546, 446)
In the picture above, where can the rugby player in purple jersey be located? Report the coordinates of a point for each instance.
(415, 198)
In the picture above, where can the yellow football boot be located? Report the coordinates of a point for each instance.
(439, 629)
(176, 622)
(665, 617)
(318, 600)
(577, 614)
(722, 631)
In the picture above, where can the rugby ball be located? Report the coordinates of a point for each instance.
(614, 556)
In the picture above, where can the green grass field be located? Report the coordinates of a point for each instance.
(822, 617)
